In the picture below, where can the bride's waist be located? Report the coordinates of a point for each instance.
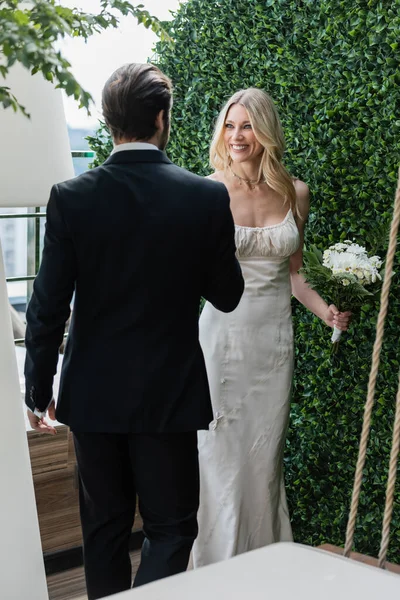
(265, 267)
(256, 293)
(267, 283)
(258, 298)
(253, 310)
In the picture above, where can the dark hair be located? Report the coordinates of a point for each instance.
(132, 98)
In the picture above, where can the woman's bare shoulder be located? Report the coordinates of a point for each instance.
(302, 195)
(302, 198)
(301, 187)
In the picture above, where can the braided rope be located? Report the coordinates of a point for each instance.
(394, 456)
(372, 378)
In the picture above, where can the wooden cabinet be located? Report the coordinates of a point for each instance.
(56, 488)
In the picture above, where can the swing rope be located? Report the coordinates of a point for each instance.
(394, 454)
(370, 403)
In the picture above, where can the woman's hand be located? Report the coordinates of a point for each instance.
(335, 318)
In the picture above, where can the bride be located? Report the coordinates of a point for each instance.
(249, 352)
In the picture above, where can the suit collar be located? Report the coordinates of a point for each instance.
(137, 156)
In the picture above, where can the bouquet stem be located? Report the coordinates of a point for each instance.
(335, 339)
(336, 334)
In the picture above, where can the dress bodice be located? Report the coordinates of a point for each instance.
(275, 241)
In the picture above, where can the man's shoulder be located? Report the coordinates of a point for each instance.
(98, 181)
(204, 183)
(82, 183)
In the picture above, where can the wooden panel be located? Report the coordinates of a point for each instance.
(363, 558)
(58, 509)
(48, 452)
(56, 489)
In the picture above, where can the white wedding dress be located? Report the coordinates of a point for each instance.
(249, 359)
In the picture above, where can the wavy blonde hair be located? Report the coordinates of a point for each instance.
(267, 129)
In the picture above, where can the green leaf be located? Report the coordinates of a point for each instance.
(29, 36)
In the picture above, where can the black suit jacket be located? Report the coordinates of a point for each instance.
(137, 241)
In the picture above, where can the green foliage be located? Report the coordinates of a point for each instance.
(333, 69)
(101, 143)
(29, 32)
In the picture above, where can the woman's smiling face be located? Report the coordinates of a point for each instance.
(240, 141)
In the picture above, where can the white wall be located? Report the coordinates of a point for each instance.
(22, 575)
(34, 154)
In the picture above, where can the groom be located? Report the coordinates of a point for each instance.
(137, 242)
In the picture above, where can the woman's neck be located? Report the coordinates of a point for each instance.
(246, 171)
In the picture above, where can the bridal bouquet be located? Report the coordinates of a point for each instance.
(344, 274)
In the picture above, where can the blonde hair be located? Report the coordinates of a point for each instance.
(267, 129)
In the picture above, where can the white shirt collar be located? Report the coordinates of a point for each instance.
(134, 146)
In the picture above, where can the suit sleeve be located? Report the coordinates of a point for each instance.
(49, 307)
(224, 281)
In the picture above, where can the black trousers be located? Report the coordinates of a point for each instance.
(163, 470)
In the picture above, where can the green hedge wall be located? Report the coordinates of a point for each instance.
(332, 67)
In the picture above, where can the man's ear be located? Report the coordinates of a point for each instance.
(160, 120)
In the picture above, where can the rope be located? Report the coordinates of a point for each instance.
(372, 380)
(394, 455)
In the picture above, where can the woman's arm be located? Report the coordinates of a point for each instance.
(300, 289)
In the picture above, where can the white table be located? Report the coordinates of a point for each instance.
(278, 572)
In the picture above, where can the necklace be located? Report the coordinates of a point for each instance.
(250, 182)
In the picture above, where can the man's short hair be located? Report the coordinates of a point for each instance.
(132, 98)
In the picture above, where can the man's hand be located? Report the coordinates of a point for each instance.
(41, 425)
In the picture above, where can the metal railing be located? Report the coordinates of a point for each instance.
(34, 222)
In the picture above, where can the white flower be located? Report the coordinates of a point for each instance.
(376, 261)
(351, 258)
(339, 247)
(356, 249)
(345, 282)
